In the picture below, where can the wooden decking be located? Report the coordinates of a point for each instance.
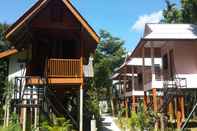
(36, 80)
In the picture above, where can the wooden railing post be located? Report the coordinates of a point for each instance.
(81, 67)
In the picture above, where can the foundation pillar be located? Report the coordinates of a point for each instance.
(182, 108)
(155, 106)
(145, 101)
(126, 108)
(133, 103)
(170, 110)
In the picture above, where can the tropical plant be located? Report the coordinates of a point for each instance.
(187, 13)
(139, 121)
(3, 62)
(171, 13)
(14, 124)
(109, 55)
(60, 124)
(8, 92)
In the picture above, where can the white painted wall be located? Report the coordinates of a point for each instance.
(185, 60)
(17, 66)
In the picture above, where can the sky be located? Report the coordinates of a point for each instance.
(122, 18)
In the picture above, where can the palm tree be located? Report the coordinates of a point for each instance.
(171, 13)
(8, 92)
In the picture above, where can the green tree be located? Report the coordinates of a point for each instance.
(3, 62)
(109, 55)
(187, 13)
(171, 13)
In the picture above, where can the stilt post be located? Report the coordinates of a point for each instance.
(81, 108)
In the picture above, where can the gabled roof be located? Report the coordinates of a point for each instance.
(170, 31)
(23, 20)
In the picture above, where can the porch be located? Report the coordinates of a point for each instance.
(57, 71)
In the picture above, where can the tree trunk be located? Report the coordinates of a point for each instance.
(5, 114)
(8, 115)
(112, 107)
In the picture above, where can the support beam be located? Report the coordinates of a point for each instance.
(170, 110)
(126, 107)
(35, 115)
(81, 109)
(152, 64)
(145, 101)
(24, 112)
(133, 103)
(155, 106)
(133, 89)
(182, 108)
(143, 64)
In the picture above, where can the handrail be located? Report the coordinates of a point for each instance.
(190, 114)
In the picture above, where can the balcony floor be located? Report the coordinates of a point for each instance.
(36, 80)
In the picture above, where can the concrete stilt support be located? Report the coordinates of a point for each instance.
(162, 119)
(182, 108)
(170, 110)
(154, 100)
(35, 115)
(133, 104)
(154, 91)
(81, 109)
(180, 115)
(24, 112)
(178, 119)
(126, 108)
(145, 101)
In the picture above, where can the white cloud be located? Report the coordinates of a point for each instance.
(154, 17)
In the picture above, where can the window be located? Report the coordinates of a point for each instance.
(165, 62)
(157, 72)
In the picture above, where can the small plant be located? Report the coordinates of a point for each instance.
(61, 124)
(140, 121)
(14, 124)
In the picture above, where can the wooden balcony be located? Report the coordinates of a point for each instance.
(64, 68)
(62, 71)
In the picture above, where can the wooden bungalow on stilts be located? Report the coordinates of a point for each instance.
(172, 84)
(164, 64)
(49, 58)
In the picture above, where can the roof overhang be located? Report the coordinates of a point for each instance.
(156, 35)
(8, 53)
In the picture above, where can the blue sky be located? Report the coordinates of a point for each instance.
(122, 18)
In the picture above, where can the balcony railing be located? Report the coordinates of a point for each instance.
(64, 68)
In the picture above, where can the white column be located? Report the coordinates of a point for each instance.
(81, 109)
(24, 115)
(133, 82)
(35, 115)
(143, 64)
(152, 64)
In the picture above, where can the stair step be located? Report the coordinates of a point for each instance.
(28, 105)
(33, 94)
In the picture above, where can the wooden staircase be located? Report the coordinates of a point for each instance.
(172, 89)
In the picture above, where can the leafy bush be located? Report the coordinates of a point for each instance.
(61, 124)
(14, 124)
(142, 120)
